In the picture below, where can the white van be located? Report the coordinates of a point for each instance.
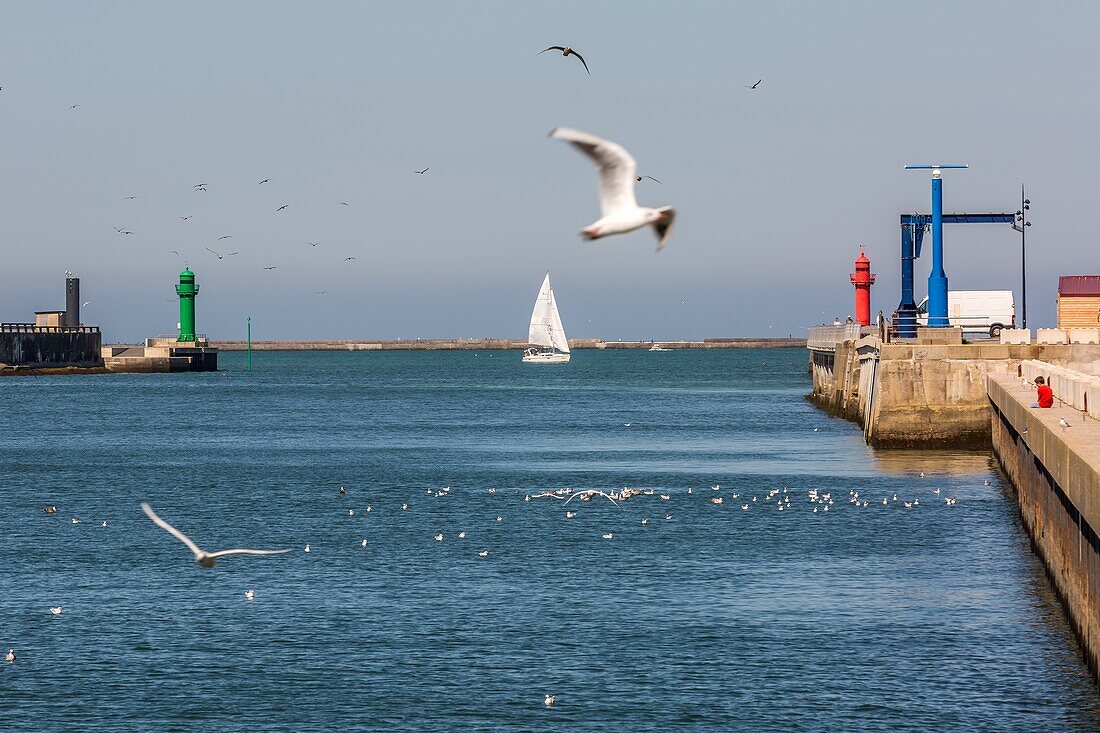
(977, 311)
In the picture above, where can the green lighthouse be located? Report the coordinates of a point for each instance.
(187, 290)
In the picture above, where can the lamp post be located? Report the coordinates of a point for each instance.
(1021, 224)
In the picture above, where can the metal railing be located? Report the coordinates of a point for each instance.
(31, 328)
(825, 338)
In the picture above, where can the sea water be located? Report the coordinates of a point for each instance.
(707, 617)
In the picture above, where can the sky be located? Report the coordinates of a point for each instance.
(775, 189)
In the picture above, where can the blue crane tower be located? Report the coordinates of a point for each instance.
(912, 236)
(937, 278)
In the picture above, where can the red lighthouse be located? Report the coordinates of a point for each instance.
(862, 279)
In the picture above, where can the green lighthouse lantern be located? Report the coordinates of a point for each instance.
(187, 290)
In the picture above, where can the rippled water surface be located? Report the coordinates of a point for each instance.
(876, 618)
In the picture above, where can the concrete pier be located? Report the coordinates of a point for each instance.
(1055, 472)
(162, 354)
(923, 394)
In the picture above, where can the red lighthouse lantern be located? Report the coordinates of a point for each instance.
(862, 279)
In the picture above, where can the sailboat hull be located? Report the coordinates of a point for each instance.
(545, 357)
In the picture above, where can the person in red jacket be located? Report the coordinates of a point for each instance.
(1044, 393)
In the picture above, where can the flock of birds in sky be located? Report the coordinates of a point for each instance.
(619, 209)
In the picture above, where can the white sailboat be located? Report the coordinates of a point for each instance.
(546, 334)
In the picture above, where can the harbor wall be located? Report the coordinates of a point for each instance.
(56, 348)
(1055, 474)
(925, 395)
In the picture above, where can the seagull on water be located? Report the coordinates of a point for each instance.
(608, 536)
(438, 537)
(461, 535)
(566, 51)
(483, 553)
(549, 700)
(570, 515)
(55, 610)
(619, 210)
(307, 549)
(249, 594)
(363, 543)
(203, 558)
(10, 656)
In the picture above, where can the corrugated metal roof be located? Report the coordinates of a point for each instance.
(1079, 285)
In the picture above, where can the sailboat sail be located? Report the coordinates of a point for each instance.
(557, 330)
(541, 320)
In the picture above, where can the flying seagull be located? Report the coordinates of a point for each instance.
(85, 304)
(177, 254)
(421, 172)
(225, 236)
(347, 259)
(202, 557)
(185, 218)
(639, 179)
(566, 51)
(199, 187)
(74, 106)
(284, 206)
(220, 256)
(130, 198)
(312, 244)
(264, 181)
(754, 86)
(619, 210)
(345, 203)
(270, 268)
(590, 492)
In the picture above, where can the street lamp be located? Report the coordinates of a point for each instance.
(1021, 224)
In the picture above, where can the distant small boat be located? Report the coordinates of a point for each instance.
(546, 333)
(658, 347)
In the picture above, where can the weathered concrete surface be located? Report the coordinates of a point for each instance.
(925, 395)
(485, 344)
(1056, 474)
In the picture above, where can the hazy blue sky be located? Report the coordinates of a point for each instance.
(775, 189)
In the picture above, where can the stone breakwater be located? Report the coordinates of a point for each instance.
(502, 344)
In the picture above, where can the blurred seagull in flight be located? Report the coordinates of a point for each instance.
(619, 210)
(639, 179)
(264, 181)
(284, 206)
(220, 256)
(199, 187)
(417, 172)
(566, 51)
(590, 493)
(754, 86)
(202, 557)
